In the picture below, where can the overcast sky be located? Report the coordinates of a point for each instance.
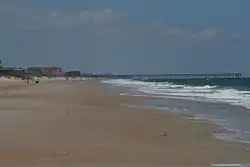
(127, 36)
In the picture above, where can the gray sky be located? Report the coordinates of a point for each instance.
(132, 36)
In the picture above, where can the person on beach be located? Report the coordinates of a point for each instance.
(28, 79)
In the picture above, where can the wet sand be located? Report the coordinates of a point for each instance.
(81, 123)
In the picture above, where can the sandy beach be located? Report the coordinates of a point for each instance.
(82, 123)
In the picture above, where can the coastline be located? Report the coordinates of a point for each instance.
(232, 119)
(81, 123)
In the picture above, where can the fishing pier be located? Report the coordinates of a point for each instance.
(167, 77)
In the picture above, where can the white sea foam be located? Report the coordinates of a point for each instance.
(230, 165)
(201, 93)
(206, 119)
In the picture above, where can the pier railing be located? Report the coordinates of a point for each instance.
(173, 76)
(188, 76)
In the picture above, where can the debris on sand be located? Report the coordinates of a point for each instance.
(247, 150)
(163, 134)
(65, 153)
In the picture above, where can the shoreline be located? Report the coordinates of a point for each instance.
(222, 132)
(81, 123)
(217, 129)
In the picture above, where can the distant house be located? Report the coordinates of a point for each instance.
(45, 71)
(87, 74)
(12, 72)
(73, 73)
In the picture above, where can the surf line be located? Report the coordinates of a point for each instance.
(230, 165)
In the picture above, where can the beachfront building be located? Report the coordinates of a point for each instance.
(73, 73)
(12, 72)
(45, 71)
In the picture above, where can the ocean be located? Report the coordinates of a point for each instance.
(225, 102)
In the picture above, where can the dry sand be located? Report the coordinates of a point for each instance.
(80, 123)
